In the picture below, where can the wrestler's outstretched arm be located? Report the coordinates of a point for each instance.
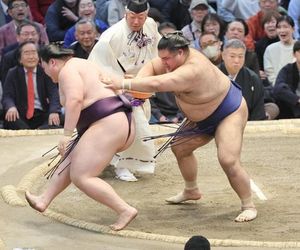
(152, 78)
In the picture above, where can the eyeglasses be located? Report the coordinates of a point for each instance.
(18, 5)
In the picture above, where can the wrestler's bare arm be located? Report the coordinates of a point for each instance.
(72, 87)
(180, 80)
(151, 68)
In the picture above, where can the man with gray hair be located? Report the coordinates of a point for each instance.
(123, 50)
(233, 55)
(85, 34)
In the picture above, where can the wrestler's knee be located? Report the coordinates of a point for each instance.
(229, 164)
(76, 179)
(180, 151)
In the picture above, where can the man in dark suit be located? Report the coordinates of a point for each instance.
(252, 87)
(30, 103)
(26, 31)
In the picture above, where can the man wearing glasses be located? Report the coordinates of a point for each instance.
(214, 108)
(210, 46)
(19, 11)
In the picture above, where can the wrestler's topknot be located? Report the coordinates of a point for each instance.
(173, 41)
(53, 51)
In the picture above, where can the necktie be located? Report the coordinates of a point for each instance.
(30, 95)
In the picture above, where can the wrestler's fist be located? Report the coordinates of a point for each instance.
(63, 144)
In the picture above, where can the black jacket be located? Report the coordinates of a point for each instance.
(252, 90)
(15, 91)
(285, 89)
(164, 103)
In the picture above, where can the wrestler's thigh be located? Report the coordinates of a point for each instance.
(187, 145)
(98, 144)
(229, 133)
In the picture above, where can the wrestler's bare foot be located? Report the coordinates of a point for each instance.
(185, 195)
(247, 214)
(124, 219)
(35, 202)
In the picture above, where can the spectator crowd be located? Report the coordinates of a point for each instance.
(254, 42)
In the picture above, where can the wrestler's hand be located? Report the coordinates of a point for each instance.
(114, 83)
(63, 143)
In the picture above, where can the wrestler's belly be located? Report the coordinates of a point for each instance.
(199, 112)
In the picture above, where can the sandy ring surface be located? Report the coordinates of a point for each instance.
(10, 193)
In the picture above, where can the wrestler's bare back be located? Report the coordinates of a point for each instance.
(86, 76)
(206, 85)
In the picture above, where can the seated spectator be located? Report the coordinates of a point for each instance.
(87, 10)
(26, 31)
(166, 27)
(164, 108)
(256, 31)
(242, 9)
(238, 29)
(269, 23)
(61, 15)
(102, 9)
(287, 87)
(30, 99)
(280, 53)
(86, 34)
(164, 6)
(116, 11)
(252, 88)
(38, 9)
(294, 12)
(213, 24)
(211, 47)
(198, 9)
(284, 3)
(223, 13)
(156, 15)
(18, 10)
(4, 16)
(180, 14)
